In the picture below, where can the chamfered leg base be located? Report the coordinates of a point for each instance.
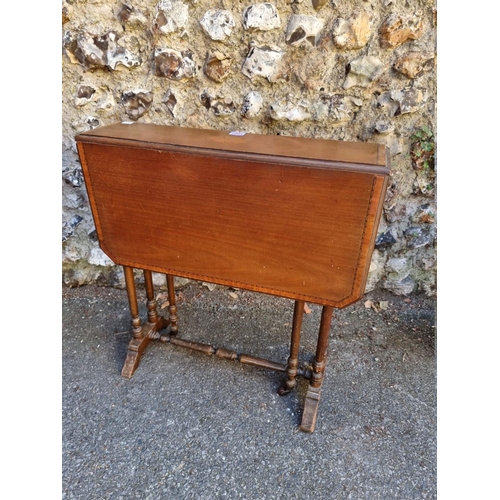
(138, 344)
(310, 409)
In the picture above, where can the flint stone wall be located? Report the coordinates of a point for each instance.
(354, 70)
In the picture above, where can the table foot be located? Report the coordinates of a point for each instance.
(314, 390)
(138, 344)
(135, 349)
(310, 409)
(284, 390)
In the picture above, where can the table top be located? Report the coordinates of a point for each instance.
(287, 216)
(286, 148)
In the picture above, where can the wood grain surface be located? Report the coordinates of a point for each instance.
(286, 216)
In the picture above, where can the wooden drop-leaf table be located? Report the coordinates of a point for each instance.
(286, 216)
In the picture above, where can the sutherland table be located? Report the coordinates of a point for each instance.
(286, 216)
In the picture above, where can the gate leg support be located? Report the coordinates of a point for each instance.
(139, 341)
(141, 333)
(172, 308)
(314, 390)
(293, 360)
(155, 322)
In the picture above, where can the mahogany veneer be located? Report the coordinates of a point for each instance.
(285, 216)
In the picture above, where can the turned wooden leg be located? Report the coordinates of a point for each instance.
(150, 295)
(139, 341)
(156, 322)
(132, 302)
(172, 308)
(293, 359)
(313, 392)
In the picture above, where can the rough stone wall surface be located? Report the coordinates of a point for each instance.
(354, 70)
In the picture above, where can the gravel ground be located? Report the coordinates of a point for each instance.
(192, 426)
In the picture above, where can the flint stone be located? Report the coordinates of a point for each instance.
(67, 232)
(171, 16)
(217, 66)
(252, 104)
(261, 16)
(335, 107)
(73, 177)
(384, 240)
(396, 265)
(136, 103)
(69, 227)
(102, 51)
(223, 107)
(386, 102)
(391, 141)
(206, 99)
(396, 213)
(170, 101)
(410, 100)
(262, 62)
(399, 102)
(159, 279)
(76, 250)
(396, 30)
(84, 95)
(352, 33)
(67, 11)
(394, 145)
(70, 47)
(383, 128)
(90, 51)
(172, 64)
(425, 214)
(131, 16)
(122, 57)
(73, 198)
(414, 64)
(289, 112)
(220, 105)
(92, 122)
(376, 271)
(218, 24)
(99, 258)
(416, 237)
(363, 71)
(400, 287)
(339, 110)
(302, 28)
(76, 277)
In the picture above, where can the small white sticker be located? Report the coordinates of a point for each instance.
(237, 132)
(127, 123)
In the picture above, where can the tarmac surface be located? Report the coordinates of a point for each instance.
(192, 426)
